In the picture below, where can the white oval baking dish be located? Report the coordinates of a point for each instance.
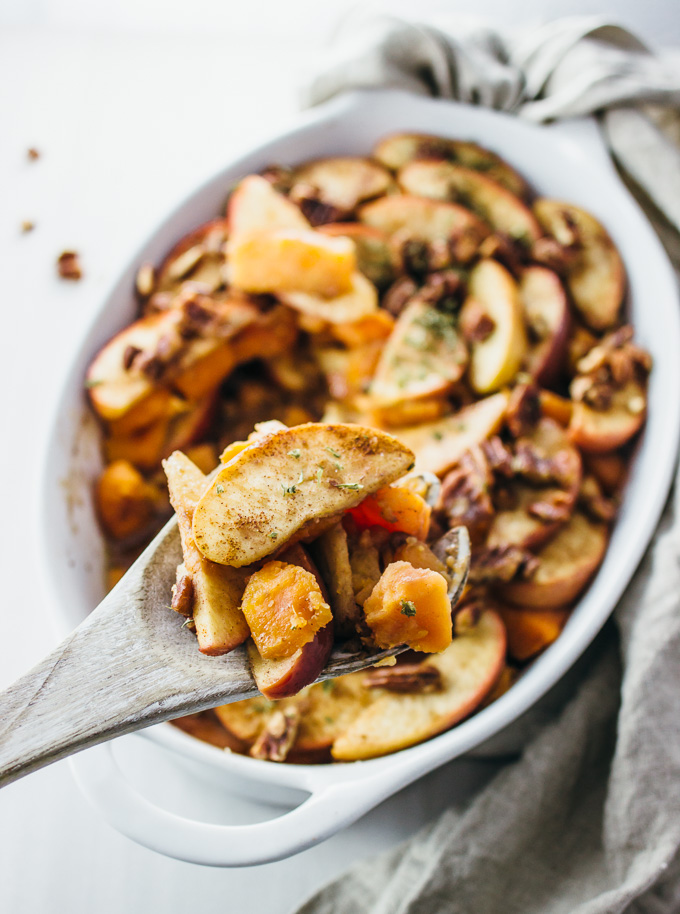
(566, 161)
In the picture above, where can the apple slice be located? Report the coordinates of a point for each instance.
(274, 488)
(418, 218)
(546, 313)
(468, 670)
(396, 150)
(332, 556)
(255, 206)
(291, 260)
(567, 563)
(360, 301)
(220, 624)
(439, 445)
(488, 199)
(495, 359)
(596, 277)
(198, 257)
(424, 357)
(598, 431)
(345, 181)
(375, 257)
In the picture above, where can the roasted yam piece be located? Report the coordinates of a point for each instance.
(530, 631)
(276, 487)
(125, 500)
(410, 606)
(398, 149)
(284, 608)
(469, 669)
(595, 275)
(500, 209)
(220, 623)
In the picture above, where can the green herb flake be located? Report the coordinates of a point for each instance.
(333, 452)
(338, 467)
(329, 720)
(189, 621)
(437, 436)
(410, 467)
(292, 489)
(328, 685)
(93, 382)
(219, 489)
(295, 453)
(273, 535)
(408, 608)
(319, 474)
(354, 486)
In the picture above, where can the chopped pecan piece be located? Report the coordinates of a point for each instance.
(557, 506)
(68, 265)
(475, 324)
(465, 494)
(444, 288)
(280, 177)
(183, 595)
(398, 295)
(129, 356)
(415, 255)
(467, 616)
(278, 736)
(314, 207)
(609, 366)
(32, 154)
(550, 253)
(501, 563)
(533, 465)
(509, 251)
(405, 677)
(498, 456)
(596, 505)
(524, 409)
(464, 244)
(27, 226)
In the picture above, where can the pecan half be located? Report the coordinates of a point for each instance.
(314, 208)
(594, 503)
(475, 324)
(398, 295)
(524, 409)
(550, 253)
(501, 563)
(405, 677)
(183, 595)
(68, 265)
(556, 506)
(608, 366)
(465, 494)
(278, 736)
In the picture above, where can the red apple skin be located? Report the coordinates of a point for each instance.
(283, 678)
(541, 291)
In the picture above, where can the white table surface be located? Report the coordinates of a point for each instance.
(131, 105)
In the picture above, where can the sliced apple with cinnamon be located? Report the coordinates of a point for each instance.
(489, 200)
(498, 340)
(217, 589)
(547, 317)
(595, 275)
(566, 565)
(440, 444)
(255, 206)
(360, 301)
(275, 488)
(462, 676)
(398, 149)
(413, 217)
(344, 181)
(199, 258)
(424, 357)
(598, 431)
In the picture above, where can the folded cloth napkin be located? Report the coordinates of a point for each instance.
(588, 820)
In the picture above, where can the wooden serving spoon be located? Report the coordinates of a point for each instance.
(130, 664)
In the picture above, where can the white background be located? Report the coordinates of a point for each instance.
(132, 103)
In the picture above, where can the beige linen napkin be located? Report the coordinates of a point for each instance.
(588, 820)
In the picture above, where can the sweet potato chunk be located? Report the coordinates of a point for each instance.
(530, 631)
(125, 500)
(395, 508)
(410, 606)
(284, 608)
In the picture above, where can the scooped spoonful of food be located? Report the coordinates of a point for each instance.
(298, 560)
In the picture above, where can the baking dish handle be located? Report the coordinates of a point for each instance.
(324, 812)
